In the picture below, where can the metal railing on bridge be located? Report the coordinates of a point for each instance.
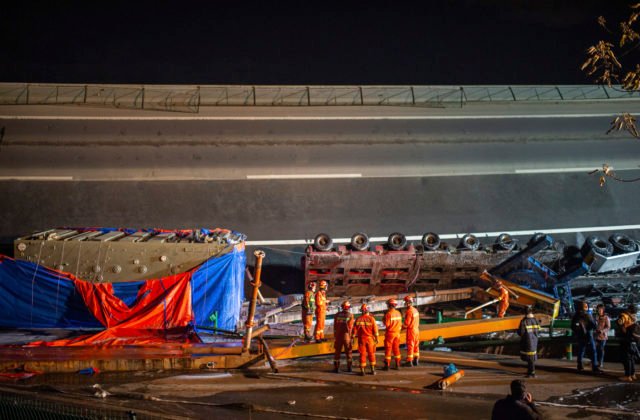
(189, 98)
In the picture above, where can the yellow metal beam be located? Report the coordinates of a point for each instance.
(427, 332)
(530, 297)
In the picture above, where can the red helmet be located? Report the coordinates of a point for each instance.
(392, 302)
(346, 305)
(323, 284)
(364, 308)
(311, 285)
(408, 300)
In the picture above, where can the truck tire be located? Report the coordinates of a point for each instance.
(505, 241)
(322, 242)
(622, 243)
(535, 238)
(396, 241)
(597, 245)
(430, 241)
(360, 241)
(470, 242)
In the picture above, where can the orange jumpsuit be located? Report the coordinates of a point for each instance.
(342, 328)
(321, 313)
(412, 324)
(367, 332)
(504, 302)
(393, 325)
(308, 307)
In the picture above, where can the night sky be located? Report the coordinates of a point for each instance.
(233, 42)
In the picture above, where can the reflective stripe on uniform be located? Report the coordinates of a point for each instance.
(528, 353)
(532, 327)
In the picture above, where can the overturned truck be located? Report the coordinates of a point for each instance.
(361, 269)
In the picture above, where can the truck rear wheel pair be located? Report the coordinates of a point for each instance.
(359, 242)
(323, 242)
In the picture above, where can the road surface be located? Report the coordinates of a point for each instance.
(282, 175)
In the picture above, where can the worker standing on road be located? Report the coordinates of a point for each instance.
(528, 332)
(630, 330)
(342, 329)
(393, 325)
(603, 325)
(412, 324)
(503, 299)
(308, 308)
(367, 332)
(321, 311)
(583, 325)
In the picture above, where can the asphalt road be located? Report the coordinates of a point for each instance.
(288, 176)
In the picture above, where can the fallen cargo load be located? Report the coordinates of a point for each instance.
(120, 254)
(163, 308)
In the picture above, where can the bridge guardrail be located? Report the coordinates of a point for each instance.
(189, 98)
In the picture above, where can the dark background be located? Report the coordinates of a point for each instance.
(233, 42)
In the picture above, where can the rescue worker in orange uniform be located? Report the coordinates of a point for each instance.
(393, 325)
(412, 324)
(503, 298)
(367, 332)
(308, 308)
(321, 311)
(342, 329)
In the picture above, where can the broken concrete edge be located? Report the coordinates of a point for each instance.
(152, 364)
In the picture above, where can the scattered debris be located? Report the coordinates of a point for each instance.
(100, 393)
(89, 371)
(19, 373)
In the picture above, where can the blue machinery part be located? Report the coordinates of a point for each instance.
(523, 269)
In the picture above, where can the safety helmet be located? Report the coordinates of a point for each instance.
(498, 284)
(346, 305)
(323, 284)
(364, 308)
(408, 300)
(392, 302)
(311, 285)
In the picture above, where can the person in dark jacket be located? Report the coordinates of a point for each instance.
(528, 332)
(583, 326)
(628, 326)
(519, 405)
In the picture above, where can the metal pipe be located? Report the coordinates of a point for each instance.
(254, 297)
(466, 314)
(260, 297)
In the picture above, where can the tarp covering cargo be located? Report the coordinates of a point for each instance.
(155, 310)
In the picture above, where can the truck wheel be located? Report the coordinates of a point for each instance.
(623, 243)
(397, 241)
(505, 242)
(360, 241)
(322, 242)
(430, 241)
(470, 242)
(535, 238)
(599, 246)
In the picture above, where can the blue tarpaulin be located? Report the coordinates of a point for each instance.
(33, 296)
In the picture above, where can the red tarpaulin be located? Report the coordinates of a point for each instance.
(162, 312)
